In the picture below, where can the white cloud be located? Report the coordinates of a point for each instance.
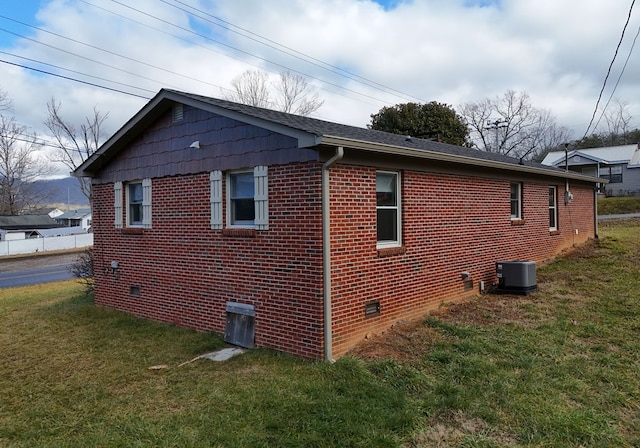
(440, 50)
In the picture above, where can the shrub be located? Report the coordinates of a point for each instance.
(83, 269)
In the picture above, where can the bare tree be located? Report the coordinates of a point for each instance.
(5, 102)
(251, 88)
(75, 145)
(296, 95)
(618, 120)
(19, 168)
(617, 129)
(293, 94)
(510, 125)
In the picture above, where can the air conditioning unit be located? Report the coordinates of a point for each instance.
(516, 277)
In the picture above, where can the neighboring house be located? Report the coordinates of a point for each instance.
(51, 211)
(24, 226)
(76, 218)
(620, 165)
(207, 212)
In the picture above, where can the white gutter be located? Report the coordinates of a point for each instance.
(326, 253)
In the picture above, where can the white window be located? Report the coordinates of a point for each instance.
(553, 208)
(139, 204)
(388, 220)
(248, 198)
(516, 201)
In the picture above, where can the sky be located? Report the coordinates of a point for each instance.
(360, 55)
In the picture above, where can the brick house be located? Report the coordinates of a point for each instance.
(321, 232)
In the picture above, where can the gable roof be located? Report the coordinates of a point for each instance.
(311, 132)
(27, 222)
(74, 214)
(61, 231)
(606, 155)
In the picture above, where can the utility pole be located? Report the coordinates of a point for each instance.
(500, 123)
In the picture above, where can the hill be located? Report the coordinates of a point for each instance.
(62, 191)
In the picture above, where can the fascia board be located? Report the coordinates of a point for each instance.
(452, 158)
(163, 101)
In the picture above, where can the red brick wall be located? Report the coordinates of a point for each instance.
(451, 224)
(187, 272)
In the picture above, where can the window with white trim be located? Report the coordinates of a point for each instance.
(139, 204)
(248, 198)
(388, 219)
(516, 200)
(612, 173)
(553, 208)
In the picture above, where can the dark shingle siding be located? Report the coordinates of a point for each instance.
(327, 128)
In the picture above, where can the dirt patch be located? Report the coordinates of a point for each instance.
(406, 341)
(403, 341)
(454, 429)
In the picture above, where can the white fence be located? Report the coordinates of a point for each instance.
(32, 245)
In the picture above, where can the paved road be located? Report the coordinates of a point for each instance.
(33, 276)
(628, 215)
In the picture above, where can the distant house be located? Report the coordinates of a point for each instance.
(75, 218)
(305, 235)
(51, 211)
(620, 165)
(24, 226)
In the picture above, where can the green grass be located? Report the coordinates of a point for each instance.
(559, 368)
(618, 205)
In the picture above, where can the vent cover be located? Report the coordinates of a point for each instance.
(177, 113)
(241, 324)
(372, 309)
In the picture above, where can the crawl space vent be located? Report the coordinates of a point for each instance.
(372, 309)
(241, 324)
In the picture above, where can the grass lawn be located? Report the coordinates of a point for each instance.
(618, 205)
(558, 368)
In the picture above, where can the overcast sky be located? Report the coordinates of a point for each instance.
(361, 55)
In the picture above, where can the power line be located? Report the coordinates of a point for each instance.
(609, 70)
(633, 44)
(247, 53)
(74, 79)
(290, 51)
(86, 58)
(76, 72)
(150, 65)
(109, 52)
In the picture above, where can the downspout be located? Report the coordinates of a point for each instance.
(326, 253)
(595, 212)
